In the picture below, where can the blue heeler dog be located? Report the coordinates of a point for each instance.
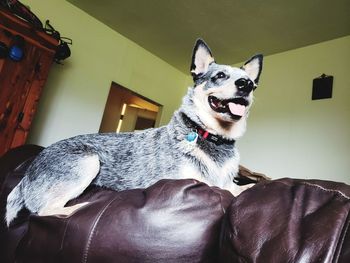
(197, 143)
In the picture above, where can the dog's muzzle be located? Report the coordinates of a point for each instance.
(236, 107)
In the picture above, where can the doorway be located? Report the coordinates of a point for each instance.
(127, 111)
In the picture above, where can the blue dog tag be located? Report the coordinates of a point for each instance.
(192, 137)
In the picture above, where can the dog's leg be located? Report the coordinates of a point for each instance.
(57, 209)
(85, 170)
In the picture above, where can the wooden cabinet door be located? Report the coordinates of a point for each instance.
(36, 81)
(15, 82)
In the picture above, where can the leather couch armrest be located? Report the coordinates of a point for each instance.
(171, 221)
(288, 220)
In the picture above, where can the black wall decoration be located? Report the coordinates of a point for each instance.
(322, 87)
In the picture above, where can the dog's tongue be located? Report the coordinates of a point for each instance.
(236, 109)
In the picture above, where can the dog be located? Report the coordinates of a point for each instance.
(198, 142)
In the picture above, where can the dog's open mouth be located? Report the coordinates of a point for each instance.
(236, 107)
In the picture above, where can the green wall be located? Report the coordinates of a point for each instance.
(289, 135)
(75, 94)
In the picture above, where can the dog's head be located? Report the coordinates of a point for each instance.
(222, 95)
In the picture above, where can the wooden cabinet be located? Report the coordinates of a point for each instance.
(21, 82)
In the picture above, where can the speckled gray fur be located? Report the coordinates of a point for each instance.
(126, 160)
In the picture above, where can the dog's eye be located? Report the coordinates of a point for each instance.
(219, 75)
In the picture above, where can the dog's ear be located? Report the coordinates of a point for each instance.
(201, 58)
(253, 67)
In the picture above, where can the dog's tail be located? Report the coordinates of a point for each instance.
(15, 203)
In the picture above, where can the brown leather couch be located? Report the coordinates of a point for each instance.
(282, 220)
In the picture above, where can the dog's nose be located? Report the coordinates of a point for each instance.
(245, 86)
